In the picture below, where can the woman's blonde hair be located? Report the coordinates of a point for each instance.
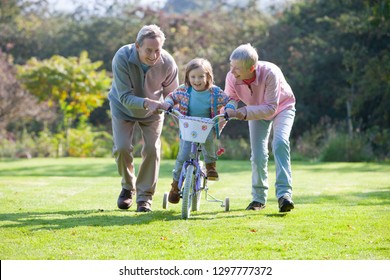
(246, 54)
(206, 67)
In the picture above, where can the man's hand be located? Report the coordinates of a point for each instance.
(152, 105)
(166, 106)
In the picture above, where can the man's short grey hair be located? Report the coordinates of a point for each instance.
(151, 32)
(245, 53)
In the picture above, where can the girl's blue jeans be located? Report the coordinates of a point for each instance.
(259, 131)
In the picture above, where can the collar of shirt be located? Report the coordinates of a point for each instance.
(249, 81)
(145, 67)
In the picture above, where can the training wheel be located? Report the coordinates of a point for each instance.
(165, 201)
(227, 204)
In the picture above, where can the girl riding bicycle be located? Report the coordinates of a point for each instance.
(198, 97)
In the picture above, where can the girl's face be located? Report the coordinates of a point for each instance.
(198, 79)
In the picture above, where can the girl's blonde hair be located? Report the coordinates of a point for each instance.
(206, 67)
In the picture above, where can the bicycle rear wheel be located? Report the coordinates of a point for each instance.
(188, 187)
(165, 200)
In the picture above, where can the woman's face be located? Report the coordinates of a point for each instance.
(240, 71)
(198, 79)
(150, 51)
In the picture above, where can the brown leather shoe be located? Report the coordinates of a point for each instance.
(211, 171)
(144, 206)
(174, 194)
(255, 205)
(125, 199)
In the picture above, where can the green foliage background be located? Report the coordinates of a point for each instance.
(334, 54)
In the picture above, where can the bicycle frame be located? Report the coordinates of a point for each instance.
(194, 160)
(190, 180)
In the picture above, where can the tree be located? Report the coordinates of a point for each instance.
(329, 51)
(17, 105)
(73, 84)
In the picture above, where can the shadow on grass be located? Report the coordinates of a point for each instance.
(79, 170)
(72, 167)
(277, 215)
(341, 167)
(348, 199)
(82, 218)
(36, 221)
(76, 170)
(98, 168)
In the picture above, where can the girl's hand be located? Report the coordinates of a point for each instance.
(231, 113)
(165, 106)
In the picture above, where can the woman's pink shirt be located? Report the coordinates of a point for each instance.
(266, 96)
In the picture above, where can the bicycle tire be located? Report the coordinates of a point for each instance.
(227, 204)
(188, 186)
(165, 201)
(195, 206)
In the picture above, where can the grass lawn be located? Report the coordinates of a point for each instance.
(66, 209)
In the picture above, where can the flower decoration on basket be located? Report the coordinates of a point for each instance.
(194, 134)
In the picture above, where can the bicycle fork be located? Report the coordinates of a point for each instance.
(195, 161)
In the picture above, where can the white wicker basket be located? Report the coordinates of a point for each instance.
(195, 129)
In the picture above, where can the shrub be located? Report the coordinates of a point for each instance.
(379, 139)
(102, 144)
(169, 150)
(238, 149)
(47, 145)
(342, 147)
(7, 144)
(83, 142)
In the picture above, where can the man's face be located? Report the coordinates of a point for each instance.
(240, 71)
(150, 51)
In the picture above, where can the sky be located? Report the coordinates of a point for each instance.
(68, 5)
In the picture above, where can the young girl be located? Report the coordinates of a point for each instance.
(200, 98)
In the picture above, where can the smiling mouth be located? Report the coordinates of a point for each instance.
(152, 61)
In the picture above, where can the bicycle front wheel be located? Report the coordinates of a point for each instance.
(196, 197)
(188, 188)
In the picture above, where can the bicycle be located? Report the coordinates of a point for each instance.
(193, 179)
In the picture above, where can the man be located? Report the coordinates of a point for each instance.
(270, 103)
(143, 74)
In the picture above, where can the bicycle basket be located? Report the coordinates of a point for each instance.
(195, 129)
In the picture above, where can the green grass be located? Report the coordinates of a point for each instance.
(66, 209)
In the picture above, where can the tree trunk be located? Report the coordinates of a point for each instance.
(349, 119)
